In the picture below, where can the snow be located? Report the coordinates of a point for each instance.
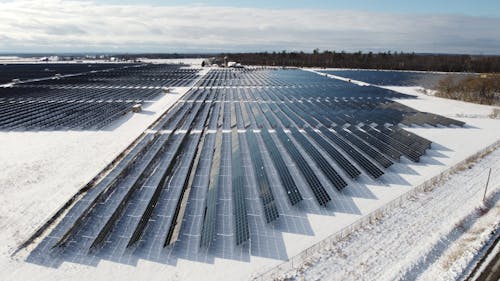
(36, 60)
(190, 61)
(489, 259)
(193, 62)
(382, 70)
(431, 236)
(360, 83)
(41, 170)
(44, 169)
(475, 234)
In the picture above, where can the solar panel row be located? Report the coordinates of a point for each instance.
(352, 171)
(366, 148)
(332, 175)
(371, 168)
(405, 150)
(155, 75)
(406, 139)
(381, 146)
(286, 178)
(210, 210)
(160, 164)
(189, 154)
(82, 102)
(265, 192)
(24, 72)
(317, 188)
(240, 208)
(231, 141)
(131, 167)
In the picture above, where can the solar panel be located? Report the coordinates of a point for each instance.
(106, 186)
(426, 143)
(191, 157)
(265, 192)
(350, 169)
(371, 168)
(284, 120)
(394, 143)
(403, 138)
(209, 218)
(286, 178)
(382, 147)
(123, 196)
(324, 166)
(317, 188)
(377, 156)
(240, 209)
(89, 100)
(199, 179)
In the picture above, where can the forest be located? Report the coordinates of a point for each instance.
(370, 60)
(482, 89)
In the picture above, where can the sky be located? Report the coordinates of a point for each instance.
(475, 8)
(424, 26)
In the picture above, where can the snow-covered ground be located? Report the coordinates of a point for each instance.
(35, 60)
(195, 62)
(46, 169)
(446, 215)
(192, 61)
(382, 70)
(39, 171)
(432, 236)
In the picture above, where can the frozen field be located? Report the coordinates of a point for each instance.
(44, 169)
(434, 235)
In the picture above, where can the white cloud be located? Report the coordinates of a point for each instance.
(56, 25)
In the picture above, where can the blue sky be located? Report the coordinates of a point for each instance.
(424, 26)
(465, 7)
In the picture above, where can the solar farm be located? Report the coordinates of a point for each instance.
(244, 167)
(91, 100)
(395, 78)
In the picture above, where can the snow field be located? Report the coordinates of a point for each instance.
(409, 240)
(41, 170)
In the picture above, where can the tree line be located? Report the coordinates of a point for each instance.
(482, 89)
(383, 60)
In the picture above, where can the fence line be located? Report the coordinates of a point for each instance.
(298, 259)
